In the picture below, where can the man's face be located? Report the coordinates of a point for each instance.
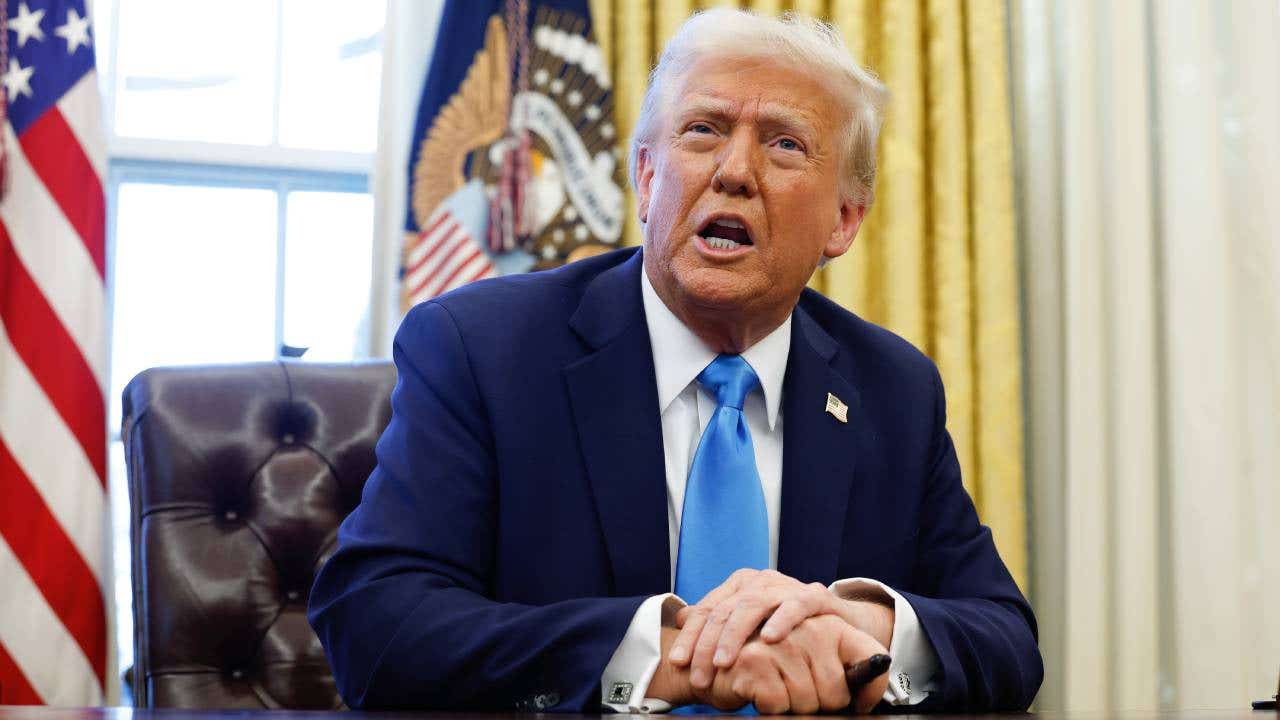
(740, 190)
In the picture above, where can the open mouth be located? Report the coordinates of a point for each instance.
(725, 234)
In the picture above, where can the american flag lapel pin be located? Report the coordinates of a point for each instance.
(838, 409)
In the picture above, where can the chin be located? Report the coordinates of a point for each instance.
(719, 288)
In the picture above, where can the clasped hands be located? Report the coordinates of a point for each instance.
(768, 639)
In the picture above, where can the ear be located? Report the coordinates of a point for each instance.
(847, 224)
(644, 179)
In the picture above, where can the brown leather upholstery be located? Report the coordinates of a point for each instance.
(238, 477)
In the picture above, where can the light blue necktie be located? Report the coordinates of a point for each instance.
(724, 525)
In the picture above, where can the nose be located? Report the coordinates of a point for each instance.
(736, 173)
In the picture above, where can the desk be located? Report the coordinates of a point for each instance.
(124, 713)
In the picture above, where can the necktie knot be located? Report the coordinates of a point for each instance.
(729, 378)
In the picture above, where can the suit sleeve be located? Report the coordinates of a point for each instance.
(403, 607)
(968, 605)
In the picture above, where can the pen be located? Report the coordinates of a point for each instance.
(864, 671)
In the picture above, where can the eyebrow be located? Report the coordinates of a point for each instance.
(771, 114)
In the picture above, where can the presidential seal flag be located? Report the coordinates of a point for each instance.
(53, 359)
(515, 163)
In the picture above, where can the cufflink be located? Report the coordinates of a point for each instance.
(904, 682)
(620, 693)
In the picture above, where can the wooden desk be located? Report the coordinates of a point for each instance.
(124, 713)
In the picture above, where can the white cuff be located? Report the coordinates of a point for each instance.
(915, 664)
(627, 676)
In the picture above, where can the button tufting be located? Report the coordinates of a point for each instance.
(231, 516)
(287, 439)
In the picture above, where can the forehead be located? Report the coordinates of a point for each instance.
(762, 88)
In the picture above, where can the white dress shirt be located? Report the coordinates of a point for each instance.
(686, 408)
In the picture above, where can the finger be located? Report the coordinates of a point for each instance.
(741, 625)
(681, 651)
(829, 681)
(700, 667)
(721, 694)
(732, 584)
(802, 693)
(870, 695)
(768, 693)
(727, 588)
(739, 690)
(798, 607)
(856, 646)
(682, 615)
(758, 597)
(819, 641)
(756, 678)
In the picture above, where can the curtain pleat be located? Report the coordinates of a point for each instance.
(670, 14)
(997, 344)
(950, 324)
(851, 280)
(634, 55)
(936, 259)
(1148, 164)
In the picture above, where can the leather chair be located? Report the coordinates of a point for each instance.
(238, 478)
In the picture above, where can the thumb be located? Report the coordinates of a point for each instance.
(682, 615)
(856, 650)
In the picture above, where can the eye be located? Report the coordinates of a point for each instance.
(789, 144)
(701, 128)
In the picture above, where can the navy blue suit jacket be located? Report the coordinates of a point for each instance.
(517, 517)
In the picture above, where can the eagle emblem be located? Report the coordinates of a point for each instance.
(572, 201)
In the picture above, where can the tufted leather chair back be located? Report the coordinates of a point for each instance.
(238, 478)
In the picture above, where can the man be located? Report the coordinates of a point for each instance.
(568, 447)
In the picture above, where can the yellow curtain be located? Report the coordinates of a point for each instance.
(936, 260)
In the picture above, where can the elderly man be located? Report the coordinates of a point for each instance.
(569, 447)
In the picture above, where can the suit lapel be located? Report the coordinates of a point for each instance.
(817, 456)
(615, 406)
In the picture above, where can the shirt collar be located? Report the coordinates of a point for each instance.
(679, 355)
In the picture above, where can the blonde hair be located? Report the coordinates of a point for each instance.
(803, 42)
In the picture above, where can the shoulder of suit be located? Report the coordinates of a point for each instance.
(869, 346)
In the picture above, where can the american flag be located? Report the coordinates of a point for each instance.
(53, 342)
(442, 257)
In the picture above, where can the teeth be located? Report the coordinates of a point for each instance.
(730, 223)
(721, 243)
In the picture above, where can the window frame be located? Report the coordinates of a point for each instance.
(210, 164)
(282, 181)
(201, 164)
(272, 156)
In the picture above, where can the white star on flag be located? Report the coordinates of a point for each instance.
(75, 32)
(27, 24)
(18, 80)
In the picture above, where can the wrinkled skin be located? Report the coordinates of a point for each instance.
(758, 140)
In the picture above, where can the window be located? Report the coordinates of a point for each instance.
(240, 134)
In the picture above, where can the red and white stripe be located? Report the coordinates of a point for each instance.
(443, 257)
(53, 379)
